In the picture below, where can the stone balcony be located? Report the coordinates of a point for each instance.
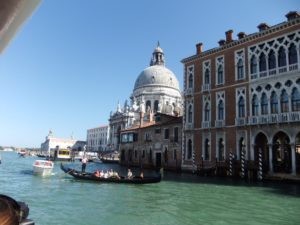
(206, 124)
(275, 118)
(206, 87)
(189, 92)
(219, 123)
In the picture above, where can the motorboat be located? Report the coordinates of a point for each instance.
(43, 167)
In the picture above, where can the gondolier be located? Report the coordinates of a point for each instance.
(83, 164)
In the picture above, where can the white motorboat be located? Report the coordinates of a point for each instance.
(43, 167)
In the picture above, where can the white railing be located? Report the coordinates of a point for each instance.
(276, 71)
(282, 69)
(274, 118)
(189, 126)
(293, 67)
(189, 91)
(206, 124)
(219, 123)
(205, 87)
(241, 121)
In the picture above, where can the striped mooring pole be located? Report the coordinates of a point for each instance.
(193, 160)
(243, 163)
(230, 163)
(260, 172)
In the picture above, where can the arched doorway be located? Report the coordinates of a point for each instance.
(297, 149)
(282, 160)
(261, 145)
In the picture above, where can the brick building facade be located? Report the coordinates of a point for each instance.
(242, 102)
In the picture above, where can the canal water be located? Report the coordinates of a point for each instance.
(178, 199)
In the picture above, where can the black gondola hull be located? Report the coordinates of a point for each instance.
(92, 177)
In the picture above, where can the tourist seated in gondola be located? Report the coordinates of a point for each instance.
(101, 173)
(129, 174)
(97, 173)
(116, 175)
(110, 173)
(105, 174)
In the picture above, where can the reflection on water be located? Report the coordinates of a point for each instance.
(178, 199)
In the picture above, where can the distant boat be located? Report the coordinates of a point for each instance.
(8, 150)
(61, 155)
(43, 167)
(22, 153)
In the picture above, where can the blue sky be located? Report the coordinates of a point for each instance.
(73, 60)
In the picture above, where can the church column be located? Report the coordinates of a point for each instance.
(271, 171)
(293, 152)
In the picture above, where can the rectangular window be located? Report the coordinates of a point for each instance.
(176, 134)
(166, 135)
(157, 130)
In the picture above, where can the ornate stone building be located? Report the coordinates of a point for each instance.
(156, 90)
(242, 102)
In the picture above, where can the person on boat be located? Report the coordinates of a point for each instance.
(106, 175)
(97, 173)
(129, 174)
(116, 175)
(83, 164)
(142, 175)
(101, 173)
(110, 173)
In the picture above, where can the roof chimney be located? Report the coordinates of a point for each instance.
(241, 35)
(229, 36)
(199, 48)
(221, 42)
(292, 15)
(263, 26)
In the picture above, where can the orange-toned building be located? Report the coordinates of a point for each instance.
(242, 103)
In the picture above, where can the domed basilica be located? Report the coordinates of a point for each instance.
(156, 90)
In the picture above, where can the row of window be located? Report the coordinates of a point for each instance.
(258, 64)
(274, 105)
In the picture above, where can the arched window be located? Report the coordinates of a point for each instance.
(284, 101)
(292, 54)
(272, 60)
(281, 57)
(191, 80)
(207, 150)
(189, 153)
(221, 150)
(274, 102)
(206, 112)
(241, 107)
(148, 105)
(264, 104)
(255, 106)
(156, 105)
(220, 74)
(190, 114)
(240, 69)
(221, 110)
(206, 77)
(253, 65)
(295, 100)
(262, 62)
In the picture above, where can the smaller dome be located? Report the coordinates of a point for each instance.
(158, 49)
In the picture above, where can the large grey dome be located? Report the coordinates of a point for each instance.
(157, 75)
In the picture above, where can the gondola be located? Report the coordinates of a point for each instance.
(92, 177)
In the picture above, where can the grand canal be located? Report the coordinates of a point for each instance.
(178, 199)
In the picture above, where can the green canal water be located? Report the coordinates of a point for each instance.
(178, 199)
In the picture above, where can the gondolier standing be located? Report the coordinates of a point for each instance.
(83, 164)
